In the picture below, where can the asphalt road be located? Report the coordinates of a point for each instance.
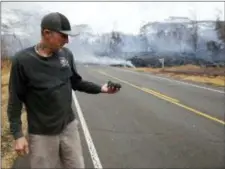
(151, 123)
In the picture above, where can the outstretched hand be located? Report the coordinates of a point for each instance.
(110, 87)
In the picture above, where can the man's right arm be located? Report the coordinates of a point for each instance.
(16, 97)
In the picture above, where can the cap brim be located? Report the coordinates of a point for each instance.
(70, 33)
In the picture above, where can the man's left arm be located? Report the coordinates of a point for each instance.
(84, 86)
(79, 84)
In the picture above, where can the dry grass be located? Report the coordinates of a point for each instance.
(145, 69)
(216, 80)
(184, 67)
(8, 154)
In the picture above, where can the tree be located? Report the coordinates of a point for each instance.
(160, 34)
(220, 29)
(115, 41)
(10, 43)
(5, 62)
(194, 33)
(214, 48)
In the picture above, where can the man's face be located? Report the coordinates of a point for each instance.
(55, 40)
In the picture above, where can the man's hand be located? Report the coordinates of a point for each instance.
(110, 88)
(21, 146)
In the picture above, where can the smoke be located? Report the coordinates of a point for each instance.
(179, 37)
(170, 38)
(85, 54)
(91, 59)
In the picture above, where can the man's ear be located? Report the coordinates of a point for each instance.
(46, 32)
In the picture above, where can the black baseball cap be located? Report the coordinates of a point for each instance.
(56, 21)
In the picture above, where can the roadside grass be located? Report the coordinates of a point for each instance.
(8, 155)
(206, 79)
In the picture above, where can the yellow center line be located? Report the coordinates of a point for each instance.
(167, 98)
(157, 94)
(160, 95)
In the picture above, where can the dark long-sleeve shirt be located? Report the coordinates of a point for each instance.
(44, 85)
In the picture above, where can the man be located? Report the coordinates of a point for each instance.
(42, 77)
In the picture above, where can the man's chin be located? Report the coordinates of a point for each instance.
(61, 46)
(58, 48)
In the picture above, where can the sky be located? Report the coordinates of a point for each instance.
(126, 17)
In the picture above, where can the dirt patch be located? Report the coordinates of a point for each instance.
(8, 154)
(212, 76)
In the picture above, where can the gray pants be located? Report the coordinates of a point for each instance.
(59, 151)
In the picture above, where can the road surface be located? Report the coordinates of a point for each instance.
(151, 123)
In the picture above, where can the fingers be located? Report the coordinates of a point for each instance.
(113, 90)
(22, 148)
(20, 151)
(26, 149)
(113, 86)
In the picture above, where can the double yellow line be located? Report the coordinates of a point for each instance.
(157, 94)
(167, 98)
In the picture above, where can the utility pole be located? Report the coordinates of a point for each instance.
(162, 62)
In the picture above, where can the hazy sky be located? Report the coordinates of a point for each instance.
(124, 16)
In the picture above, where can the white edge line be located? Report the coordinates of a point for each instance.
(90, 144)
(189, 84)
